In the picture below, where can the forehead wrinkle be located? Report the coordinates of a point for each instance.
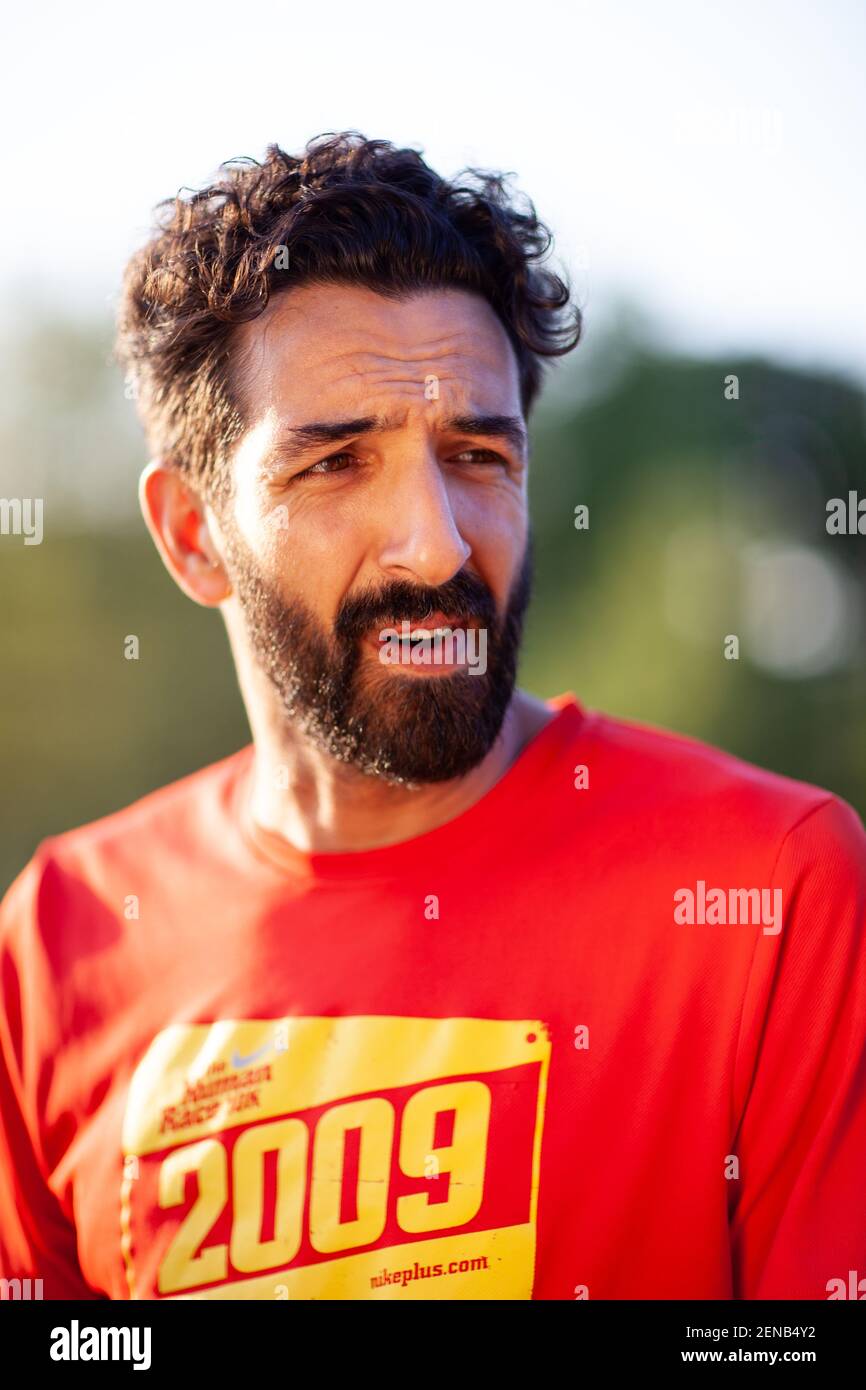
(455, 355)
(367, 358)
(360, 381)
(383, 379)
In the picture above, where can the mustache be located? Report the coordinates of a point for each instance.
(465, 597)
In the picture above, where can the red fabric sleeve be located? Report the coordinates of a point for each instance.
(37, 1239)
(798, 1210)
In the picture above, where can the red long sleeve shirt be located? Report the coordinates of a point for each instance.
(603, 1035)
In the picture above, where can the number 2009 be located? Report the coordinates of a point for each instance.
(463, 1160)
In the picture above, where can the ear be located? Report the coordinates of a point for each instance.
(176, 518)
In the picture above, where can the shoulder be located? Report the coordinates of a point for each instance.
(166, 821)
(673, 780)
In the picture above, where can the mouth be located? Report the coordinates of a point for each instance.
(433, 647)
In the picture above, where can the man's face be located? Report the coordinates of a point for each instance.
(380, 495)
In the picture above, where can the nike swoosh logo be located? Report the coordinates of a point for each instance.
(238, 1061)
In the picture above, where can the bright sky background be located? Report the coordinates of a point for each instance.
(707, 160)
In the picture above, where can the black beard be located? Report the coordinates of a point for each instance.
(404, 729)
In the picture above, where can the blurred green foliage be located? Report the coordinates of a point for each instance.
(706, 519)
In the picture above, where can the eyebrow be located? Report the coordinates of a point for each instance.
(299, 439)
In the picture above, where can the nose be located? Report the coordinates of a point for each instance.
(422, 542)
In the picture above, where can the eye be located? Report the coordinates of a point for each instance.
(486, 456)
(326, 466)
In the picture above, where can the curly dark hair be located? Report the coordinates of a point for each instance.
(349, 210)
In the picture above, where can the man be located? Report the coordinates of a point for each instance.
(436, 990)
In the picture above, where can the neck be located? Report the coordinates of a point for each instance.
(322, 806)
